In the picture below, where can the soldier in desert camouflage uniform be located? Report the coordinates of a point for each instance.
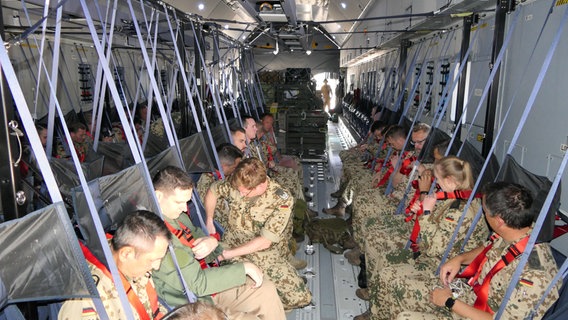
(372, 206)
(507, 211)
(229, 156)
(435, 228)
(136, 254)
(357, 175)
(259, 226)
(82, 143)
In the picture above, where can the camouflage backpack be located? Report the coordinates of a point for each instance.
(332, 233)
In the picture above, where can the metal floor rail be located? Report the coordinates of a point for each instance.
(331, 278)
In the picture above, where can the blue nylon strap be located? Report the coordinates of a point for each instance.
(476, 186)
(386, 98)
(418, 116)
(389, 187)
(441, 109)
(544, 211)
(509, 108)
(562, 273)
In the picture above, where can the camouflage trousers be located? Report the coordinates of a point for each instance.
(247, 303)
(368, 206)
(404, 288)
(289, 179)
(290, 287)
(360, 181)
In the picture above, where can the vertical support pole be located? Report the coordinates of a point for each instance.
(466, 36)
(197, 63)
(10, 179)
(404, 45)
(503, 7)
(183, 95)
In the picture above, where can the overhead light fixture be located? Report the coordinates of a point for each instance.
(343, 5)
(201, 6)
(226, 27)
(308, 52)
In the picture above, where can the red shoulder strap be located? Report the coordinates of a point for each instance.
(133, 298)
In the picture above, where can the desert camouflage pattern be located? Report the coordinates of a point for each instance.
(407, 290)
(270, 216)
(222, 207)
(436, 230)
(84, 309)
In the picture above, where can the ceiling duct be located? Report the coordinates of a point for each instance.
(271, 12)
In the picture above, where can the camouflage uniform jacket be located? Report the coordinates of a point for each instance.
(437, 228)
(201, 282)
(205, 181)
(534, 280)
(265, 145)
(84, 309)
(268, 215)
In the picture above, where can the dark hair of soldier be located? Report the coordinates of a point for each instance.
(139, 229)
(228, 153)
(171, 178)
(509, 201)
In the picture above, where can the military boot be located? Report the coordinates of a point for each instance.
(298, 264)
(362, 294)
(353, 256)
(338, 210)
(364, 316)
(339, 191)
(349, 243)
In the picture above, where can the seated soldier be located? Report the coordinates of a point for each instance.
(229, 156)
(259, 226)
(81, 142)
(489, 270)
(226, 286)
(239, 139)
(138, 247)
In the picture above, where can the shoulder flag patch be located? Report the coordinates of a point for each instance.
(526, 282)
(90, 311)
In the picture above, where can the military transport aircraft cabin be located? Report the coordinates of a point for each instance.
(362, 159)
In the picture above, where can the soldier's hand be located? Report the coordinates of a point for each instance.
(211, 227)
(449, 270)
(425, 180)
(204, 246)
(254, 273)
(438, 296)
(429, 202)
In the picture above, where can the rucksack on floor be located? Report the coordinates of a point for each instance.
(332, 233)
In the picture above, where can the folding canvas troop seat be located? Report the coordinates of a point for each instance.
(48, 237)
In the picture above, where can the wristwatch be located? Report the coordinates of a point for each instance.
(450, 303)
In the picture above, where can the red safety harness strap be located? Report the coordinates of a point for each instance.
(457, 194)
(132, 296)
(473, 270)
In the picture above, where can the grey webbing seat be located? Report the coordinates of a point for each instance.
(511, 171)
(41, 261)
